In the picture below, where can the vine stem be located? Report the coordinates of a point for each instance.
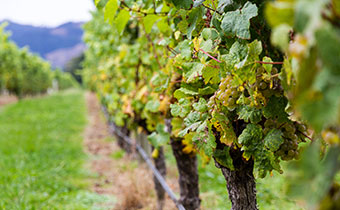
(306, 136)
(212, 57)
(263, 62)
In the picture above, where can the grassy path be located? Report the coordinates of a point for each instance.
(41, 154)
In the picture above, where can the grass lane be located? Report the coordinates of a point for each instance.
(41, 154)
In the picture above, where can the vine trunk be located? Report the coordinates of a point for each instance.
(241, 184)
(161, 167)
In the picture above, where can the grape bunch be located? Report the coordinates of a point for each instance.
(292, 135)
(228, 94)
(264, 87)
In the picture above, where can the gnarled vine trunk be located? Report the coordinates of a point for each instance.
(161, 167)
(188, 173)
(240, 182)
(188, 176)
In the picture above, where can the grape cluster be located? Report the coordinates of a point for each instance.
(292, 135)
(227, 94)
(265, 87)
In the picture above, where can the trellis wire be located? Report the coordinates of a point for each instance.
(146, 158)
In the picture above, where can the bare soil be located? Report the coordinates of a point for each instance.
(124, 178)
(7, 99)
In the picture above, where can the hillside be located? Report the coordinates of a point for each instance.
(57, 45)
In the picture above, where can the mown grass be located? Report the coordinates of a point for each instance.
(41, 155)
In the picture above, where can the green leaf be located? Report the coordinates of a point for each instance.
(250, 114)
(275, 108)
(267, 67)
(185, 49)
(110, 10)
(211, 74)
(194, 72)
(210, 33)
(121, 20)
(181, 109)
(236, 23)
(237, 53)
(201, 105)
(152, 106)
(208, 90)
(252, 134)
(280, 36)
(280, 12)
(195, 15)
(160, 137)
(149, 21)
(198, 3)
(187, 91)
(328, 42)
(222, 4)
(96, 2)
(223, 158)
(222, 123)
(163, 25)
(273, 140)
(182, 4)
(205, 139)
(192, 118)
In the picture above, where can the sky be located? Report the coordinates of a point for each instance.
(45, 12)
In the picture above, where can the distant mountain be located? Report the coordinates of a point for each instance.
(57, 45)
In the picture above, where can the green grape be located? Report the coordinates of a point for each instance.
(228, 91)
(235, 94)
(231, 101)
(263, 85)
(269, 123)
(275, 71)
(289, 127)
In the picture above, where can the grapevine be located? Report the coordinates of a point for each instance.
(216, 71)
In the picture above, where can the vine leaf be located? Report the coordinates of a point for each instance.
(149, 21)
(224, 3)
(159, 137)
(236, 23)
(205, 139)
(152, 106)
(223, 158)
(201, 105)
(223, 125)
(211, 74)
(110, 10)
(194, 72)
(121, 20)
(276, 108)
(250, 114)
(273, 140)
(181, 109)
(182, 4)
(250, 135)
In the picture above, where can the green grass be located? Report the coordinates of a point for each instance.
(41, 155)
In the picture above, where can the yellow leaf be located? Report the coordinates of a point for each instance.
(155, 153)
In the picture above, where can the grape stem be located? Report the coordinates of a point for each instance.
(210, 56)
(306, 136)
